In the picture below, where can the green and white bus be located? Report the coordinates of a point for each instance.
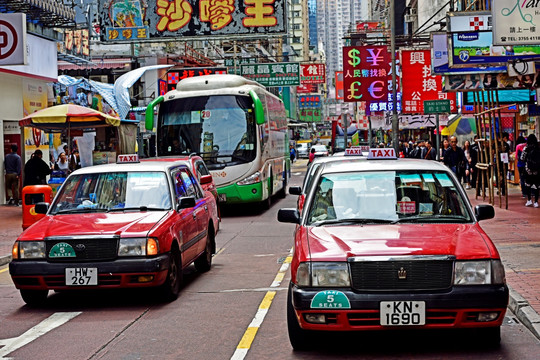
(236, 125)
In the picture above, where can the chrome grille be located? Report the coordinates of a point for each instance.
(94, 248)
(401, 273)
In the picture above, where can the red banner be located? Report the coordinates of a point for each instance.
(366, 71)
(312, 73)
(418, 84)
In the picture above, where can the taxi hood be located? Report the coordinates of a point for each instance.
(337, 243)
(132, 224)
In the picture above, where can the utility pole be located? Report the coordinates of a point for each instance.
(395, 123)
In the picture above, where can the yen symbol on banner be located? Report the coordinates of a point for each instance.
(7, 33)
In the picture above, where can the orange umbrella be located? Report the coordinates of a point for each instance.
(68, 116)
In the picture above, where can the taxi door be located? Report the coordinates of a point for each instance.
(200, 211)
(186, 228)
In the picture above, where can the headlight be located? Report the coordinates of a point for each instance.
(132, 247)
(30, 249)
(472, 272)
(323, 274)
(253, 179)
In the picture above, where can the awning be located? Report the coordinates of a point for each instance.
(114, 63)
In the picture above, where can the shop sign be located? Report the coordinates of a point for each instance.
(418, 84)
(469, 21)
(273, 74)
(175, 75)
(306, 88)
(340, 91)
(13, 44)
(516, 22)
(127, 20)
(366, 73)
(310, 115)
(408, 121)
(436, 106)
(310, 101)
(76, 42)
(312, 73)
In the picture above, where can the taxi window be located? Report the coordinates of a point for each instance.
(201, 168)
(115, 190)
(393, 196)
(190, 184)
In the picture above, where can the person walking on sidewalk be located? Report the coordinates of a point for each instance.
(521, 143)
(13, 166)
(531, 157)
(36, 170)
(455, 159)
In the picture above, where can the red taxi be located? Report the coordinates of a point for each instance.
(123, 225)
(388, 243)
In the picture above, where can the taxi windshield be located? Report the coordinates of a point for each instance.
(113, 190)
(387, 196)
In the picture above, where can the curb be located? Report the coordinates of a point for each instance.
(5, 260)
(524, 312)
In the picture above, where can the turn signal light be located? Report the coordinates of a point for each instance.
(145, 278)
(152, 247)
(15, 250)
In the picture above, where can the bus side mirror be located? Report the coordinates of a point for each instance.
(149, 117)
(259, 109)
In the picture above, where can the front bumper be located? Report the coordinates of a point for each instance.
(457, 308)
(121, 273)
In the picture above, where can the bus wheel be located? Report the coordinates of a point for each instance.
(283, 192)
(267, 203)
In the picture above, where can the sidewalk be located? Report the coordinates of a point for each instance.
(515, 232)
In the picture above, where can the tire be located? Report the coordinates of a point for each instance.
(283, 192)
(34, 297)
(267, 203)
(490, 337)
(204, 262)
(170, 289)
(300, 339)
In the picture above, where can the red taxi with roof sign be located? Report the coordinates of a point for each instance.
(388, 243)
(124, 225)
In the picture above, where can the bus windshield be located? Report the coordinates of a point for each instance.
(220, 128)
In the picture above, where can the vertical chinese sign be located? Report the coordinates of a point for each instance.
(419, 84)
(366, 71)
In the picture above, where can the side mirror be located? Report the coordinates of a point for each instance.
(295, 190)
(186, 202)
(289, 216)
(206, 179)
(41, 208)
(484, 212)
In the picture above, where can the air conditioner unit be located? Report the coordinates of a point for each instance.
(408, 18)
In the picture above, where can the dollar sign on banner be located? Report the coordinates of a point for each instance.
(354, 59)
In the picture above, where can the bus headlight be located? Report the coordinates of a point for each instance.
(253, 179)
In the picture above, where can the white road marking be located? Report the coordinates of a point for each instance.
(53, 321)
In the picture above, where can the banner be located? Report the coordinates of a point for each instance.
(273, 74)
(175, 75)
(418, 84)
(366, 71)
(135, 20)
(516, 22)
(312, 73)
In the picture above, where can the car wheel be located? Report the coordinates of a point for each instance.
(204, 262)
(34, 297)
(299, 338)
(171, 287)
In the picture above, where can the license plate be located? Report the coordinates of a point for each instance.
(81, 276)
(222, 197)
(403, 313)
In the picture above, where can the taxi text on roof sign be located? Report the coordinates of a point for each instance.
(127, 158)
(356, 150)
(382, 153)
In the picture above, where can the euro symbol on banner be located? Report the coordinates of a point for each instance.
(373, 89)
(353, 91)
(354, 59)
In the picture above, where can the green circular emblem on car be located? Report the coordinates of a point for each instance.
(330, 299)
(62, 250)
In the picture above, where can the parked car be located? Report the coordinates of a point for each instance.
(387, 243)
(302, 149)
(128, 225)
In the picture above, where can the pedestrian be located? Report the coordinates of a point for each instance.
(431, 153)
(292, 153)
(455, 159)
(444, 149)
(475, 153)
(521, 143)
(468, 169)
(62, 164)
(12, 168)
(531, 157)
(36, 170)
(311, 156)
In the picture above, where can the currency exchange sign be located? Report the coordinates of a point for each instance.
(366, 71)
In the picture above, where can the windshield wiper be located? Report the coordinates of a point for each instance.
(80, 210)
(428, 218)
(352, 221)
(137, 208)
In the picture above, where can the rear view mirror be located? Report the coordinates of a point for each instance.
(484, 212)
(289, 216)
(295, 190)
(206, 179)
(186, 202)
(41, 208)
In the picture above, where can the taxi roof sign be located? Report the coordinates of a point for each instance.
(382, 153)
(356, 150)
(127, 158)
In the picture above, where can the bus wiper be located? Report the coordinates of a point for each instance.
(353, 221)
(137, 208)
